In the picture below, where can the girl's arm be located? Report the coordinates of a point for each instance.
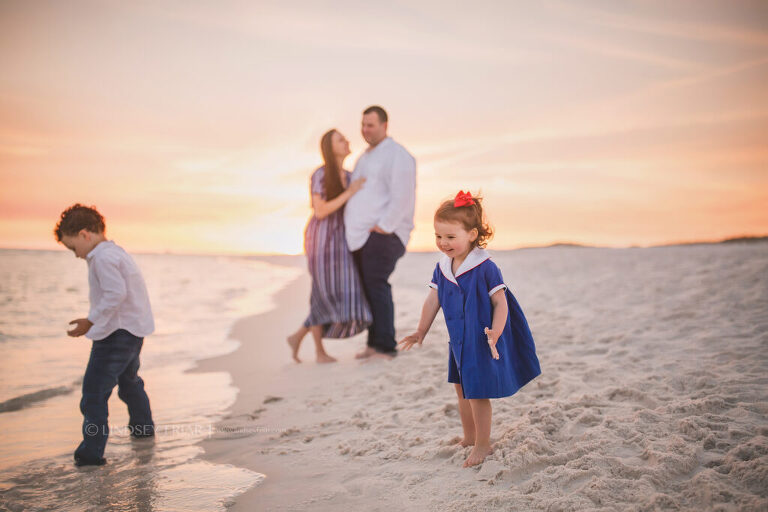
(500, 312)
(428, 313)
(325, 208)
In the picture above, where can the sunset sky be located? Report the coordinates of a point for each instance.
(194, 126)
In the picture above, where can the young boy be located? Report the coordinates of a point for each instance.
(119, 318)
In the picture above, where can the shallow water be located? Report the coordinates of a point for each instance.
(195, 300)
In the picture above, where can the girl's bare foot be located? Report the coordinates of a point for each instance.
(458, 440)
(477, 456)
(294, 341)
(368, 352)
(325, 358)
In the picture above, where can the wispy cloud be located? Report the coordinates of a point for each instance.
(695, 31)
(453, 153)
(365, 28)
(708, 75)
(21, 150)
(664, 23)
(610, 48)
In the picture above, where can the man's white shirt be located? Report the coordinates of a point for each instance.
(387, 198)
(118, 295)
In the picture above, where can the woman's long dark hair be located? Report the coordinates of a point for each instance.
(332, 179)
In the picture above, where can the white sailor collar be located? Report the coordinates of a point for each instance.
(475, 257)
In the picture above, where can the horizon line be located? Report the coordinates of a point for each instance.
(735, 238)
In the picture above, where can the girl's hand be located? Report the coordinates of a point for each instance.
(411, 340)
(493, 338)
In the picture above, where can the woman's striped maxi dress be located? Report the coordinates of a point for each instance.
(337, 301)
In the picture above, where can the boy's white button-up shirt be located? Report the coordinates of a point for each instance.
(118, 295)
(388, 197)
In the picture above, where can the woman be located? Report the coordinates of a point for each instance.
(337, 305)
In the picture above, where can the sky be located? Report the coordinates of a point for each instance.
(194, 126)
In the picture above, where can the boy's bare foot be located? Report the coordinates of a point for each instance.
(477, 455)
(368, 352)
(294, 341)
(325, 358)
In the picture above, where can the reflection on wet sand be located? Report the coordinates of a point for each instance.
(138, 477)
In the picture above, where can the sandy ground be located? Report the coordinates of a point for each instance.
(653, 395)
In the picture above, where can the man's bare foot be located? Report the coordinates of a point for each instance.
(368, 352)
(294, 341)
(325, 358)
(380, 355)
(477, 455)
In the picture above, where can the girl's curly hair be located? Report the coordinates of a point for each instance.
(470, 216)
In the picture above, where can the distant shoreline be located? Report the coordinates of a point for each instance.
(732, 240)
(745, 239)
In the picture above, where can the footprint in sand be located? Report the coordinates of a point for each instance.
(256, 413)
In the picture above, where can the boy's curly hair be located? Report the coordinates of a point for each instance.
(470, 216)
(76, 218)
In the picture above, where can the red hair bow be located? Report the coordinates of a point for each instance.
(463, 199)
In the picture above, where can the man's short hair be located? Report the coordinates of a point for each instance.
(76, 218)
(379, 112)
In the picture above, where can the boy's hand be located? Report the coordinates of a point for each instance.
(83, 324)
(411, 340)
(493, 337)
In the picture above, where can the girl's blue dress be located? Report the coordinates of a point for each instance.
(466, 302)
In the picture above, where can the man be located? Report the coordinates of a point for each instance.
(379, 221)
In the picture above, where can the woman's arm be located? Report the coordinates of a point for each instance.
(324, 208)
(428, 313)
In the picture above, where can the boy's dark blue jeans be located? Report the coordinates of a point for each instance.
(376, 261)
(114, 361)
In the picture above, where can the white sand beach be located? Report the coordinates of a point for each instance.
(653, 396)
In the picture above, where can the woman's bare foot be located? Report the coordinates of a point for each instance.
(294, 341)
(325, 358)
(477, 456)
(466, 442)
(368, 352)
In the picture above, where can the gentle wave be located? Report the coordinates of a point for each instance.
(196, 300)
(23, 401)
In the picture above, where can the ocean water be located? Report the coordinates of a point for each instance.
(195, 300)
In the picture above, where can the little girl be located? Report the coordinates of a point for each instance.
(483, 362)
